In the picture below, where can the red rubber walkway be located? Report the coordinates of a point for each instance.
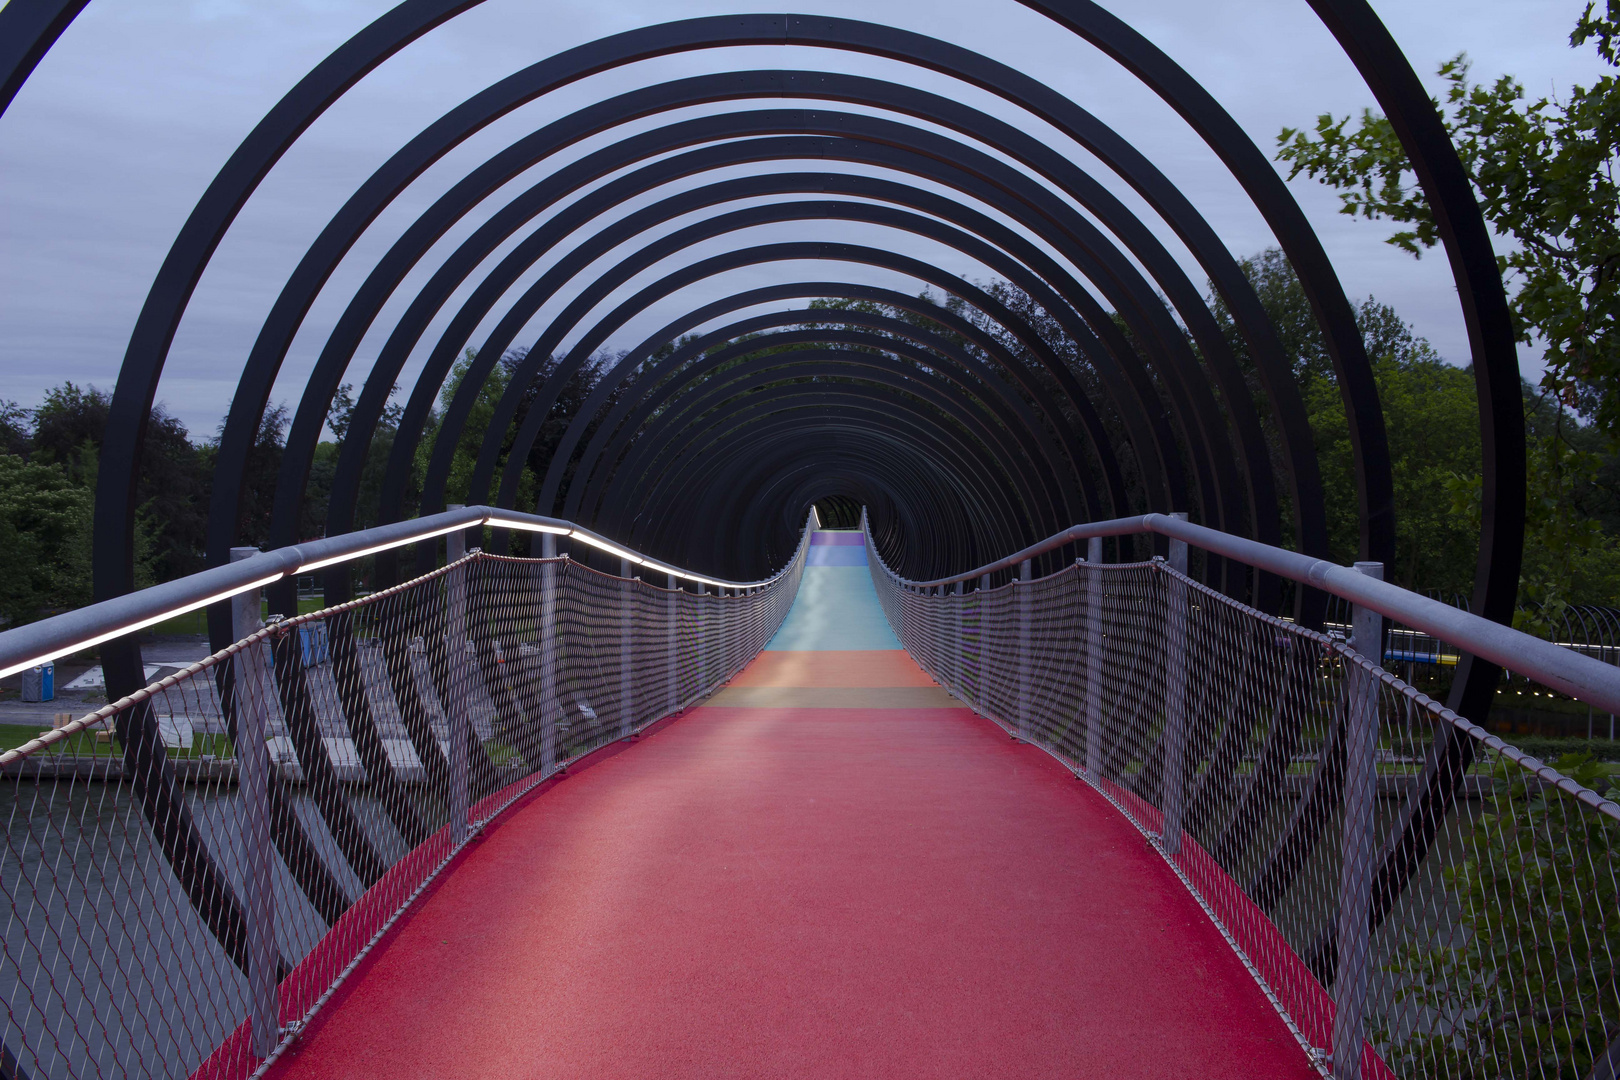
(801, 891)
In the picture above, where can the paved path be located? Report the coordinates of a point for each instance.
(829, 871)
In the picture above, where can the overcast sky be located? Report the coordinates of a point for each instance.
(122, 126)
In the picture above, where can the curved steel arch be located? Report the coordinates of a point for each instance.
(1285, 413)
(923, 338)
(310, 419)
(671, 376)
(951, 321)
(773, 431)
(777, 212)
(1212, 344)
(809, 363)
(1017, 273)
(736, 259)
(1368, 44)
(742, 470)
(771, 409)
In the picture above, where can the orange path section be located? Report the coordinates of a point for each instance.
(862, 668)
(806, 893)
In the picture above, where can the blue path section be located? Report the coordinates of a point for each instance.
(837, 607)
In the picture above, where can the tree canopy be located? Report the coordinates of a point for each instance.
(1544, 173)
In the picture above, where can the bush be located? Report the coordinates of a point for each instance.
(1551, 749)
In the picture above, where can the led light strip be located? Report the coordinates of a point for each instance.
(362, 553)
(607, 547)
(660, 568)
(525, 526)
(141, 625)
(492, 520)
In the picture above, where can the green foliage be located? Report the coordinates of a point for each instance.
(1543, 171)
(51, 461)
(263, 468)
(1430, 412)
(1570, 556)
(16, 425)
(1432, 417)
(479, 418)
(1548, 748)
(1524, 983)
(323, 467)
(44, 540)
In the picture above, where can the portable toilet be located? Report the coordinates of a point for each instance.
(39, 683)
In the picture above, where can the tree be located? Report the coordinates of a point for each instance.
(16, 429)
(1430, 412)
(44, 540)
(323, 467)
(259, 478)
(1544, 173)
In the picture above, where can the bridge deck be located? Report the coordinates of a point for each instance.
(783, 883)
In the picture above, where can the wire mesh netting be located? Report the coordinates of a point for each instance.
(1406, 888)
(190, 871)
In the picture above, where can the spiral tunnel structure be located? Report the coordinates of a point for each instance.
(971, 422)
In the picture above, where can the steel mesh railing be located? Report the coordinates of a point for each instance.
(192, 870)
(1417, 898)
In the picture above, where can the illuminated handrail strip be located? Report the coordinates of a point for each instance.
(61, 635)
(1585, 678)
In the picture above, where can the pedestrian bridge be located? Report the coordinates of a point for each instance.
(881, 669)
(830, 867)
(1097, 820)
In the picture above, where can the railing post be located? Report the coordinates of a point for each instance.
(671, 643)
(956, 663)
(1175, 695)
(1025, 576)
(1358, 856)
(627, 682)
(252, 680)
(549, 707)
(980, 705)
(1094, 646)
(702, 639)
(456, 715)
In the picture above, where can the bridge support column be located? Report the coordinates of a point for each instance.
(672, 692)
(251, 678)
(1094, 647)
(1359, 854)
(1026, 573)
(1173, 784)
(627, 681)
(550, 708)
(456, 715)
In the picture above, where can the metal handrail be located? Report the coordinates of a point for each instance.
(61, 635)
(1565, 670)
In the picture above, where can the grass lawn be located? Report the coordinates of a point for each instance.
(196, 622)
(87, 743)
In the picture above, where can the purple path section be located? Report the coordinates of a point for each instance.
(837, 539)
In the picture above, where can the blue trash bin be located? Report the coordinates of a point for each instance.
(39, 683)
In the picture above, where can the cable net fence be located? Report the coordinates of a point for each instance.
(191, 871)
(1417, 898)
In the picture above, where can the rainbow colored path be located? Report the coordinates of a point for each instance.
(829, 870)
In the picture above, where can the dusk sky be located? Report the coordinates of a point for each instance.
(120, 129)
